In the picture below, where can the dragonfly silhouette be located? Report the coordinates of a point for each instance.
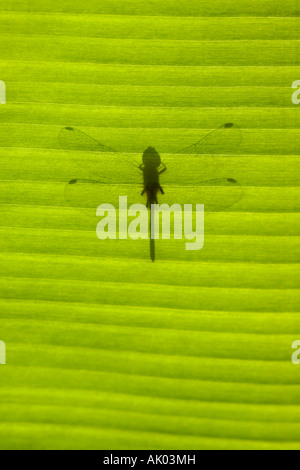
(177, 177)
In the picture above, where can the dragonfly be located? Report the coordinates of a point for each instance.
(188, 175)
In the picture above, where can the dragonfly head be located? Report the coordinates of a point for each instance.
(151, 157)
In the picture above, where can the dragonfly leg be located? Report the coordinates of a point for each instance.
(161, 190)
(164, 168)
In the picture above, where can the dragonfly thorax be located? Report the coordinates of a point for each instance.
(151, 158)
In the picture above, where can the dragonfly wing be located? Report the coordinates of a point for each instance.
(216, 194)
(71, 138)
(95, 160)
(89, 194)
(223, 140)
(204, 158)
